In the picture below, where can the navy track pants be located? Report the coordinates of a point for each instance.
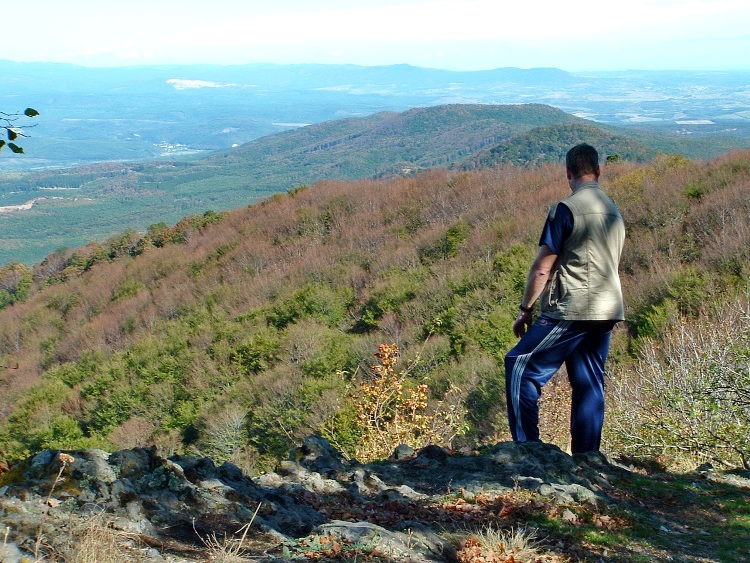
(583, 347)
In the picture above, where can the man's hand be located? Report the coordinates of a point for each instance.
(522, 322)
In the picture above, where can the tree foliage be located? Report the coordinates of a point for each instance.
(12, 123)
(390, 411)
(15, 283)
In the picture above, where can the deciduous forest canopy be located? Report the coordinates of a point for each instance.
(236, 333)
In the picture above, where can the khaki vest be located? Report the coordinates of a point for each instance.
(584, 283)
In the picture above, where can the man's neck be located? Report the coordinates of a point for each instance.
(575, 183)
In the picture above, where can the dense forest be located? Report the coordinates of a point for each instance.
(235, 334)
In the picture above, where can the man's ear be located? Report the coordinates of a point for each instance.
(568, 174)
(598, 171)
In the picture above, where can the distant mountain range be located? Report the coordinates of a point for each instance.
(140, 113)
(183, 140)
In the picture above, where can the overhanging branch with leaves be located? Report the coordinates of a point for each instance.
(10, 122)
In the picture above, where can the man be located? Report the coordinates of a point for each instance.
(575, 273)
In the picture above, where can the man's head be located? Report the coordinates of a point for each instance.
(582, 160)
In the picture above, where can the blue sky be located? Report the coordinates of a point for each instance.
(451, 34)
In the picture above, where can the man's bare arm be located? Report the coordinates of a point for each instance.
(538, 276)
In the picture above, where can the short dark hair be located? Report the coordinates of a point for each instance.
(582, 159)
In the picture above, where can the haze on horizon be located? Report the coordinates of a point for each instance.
(449, 34)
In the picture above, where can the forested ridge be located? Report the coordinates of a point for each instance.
(76, 205)
(235, 334)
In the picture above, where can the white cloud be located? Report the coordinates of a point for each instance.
(468, 33)
(186, 84)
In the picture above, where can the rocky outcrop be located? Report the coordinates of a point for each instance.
(175, 505)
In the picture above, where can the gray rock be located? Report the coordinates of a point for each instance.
(402, 451)
(9, 553)
(93, 465)
(230, 471)
(150, 496)
(418, 545)
(439, 547)
(434, 452)
(403, 493)
(317, 454)
(132, 463)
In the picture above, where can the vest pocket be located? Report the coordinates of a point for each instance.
(553, 289)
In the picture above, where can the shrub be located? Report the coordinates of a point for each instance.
(127, 289)
(390, 413)
(493, 545)
(46, 428)
(15, 283)
(277, 417)
(134, 433)
(689, 396)
(311, 301)
(260, 352)
(448, 245)
(31, 425)
(484, 382)
(224, 433)
(333, 357)
(398, 288)
(512, 265)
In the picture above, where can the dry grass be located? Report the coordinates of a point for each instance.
(97, 542)
(493, 545)
(228, 549)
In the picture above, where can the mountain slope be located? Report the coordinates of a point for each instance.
(75, 206)
(265, 319)
(548, 143)
(113, 114)
(388, 143)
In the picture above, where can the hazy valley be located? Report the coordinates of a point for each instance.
(186, 140)
(133, 113)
